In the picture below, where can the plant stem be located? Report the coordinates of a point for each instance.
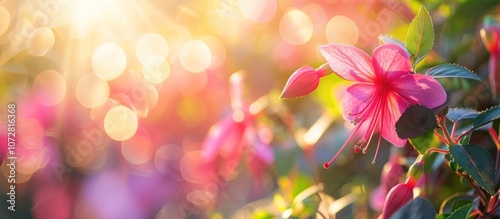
(437, 150)
(445, 131)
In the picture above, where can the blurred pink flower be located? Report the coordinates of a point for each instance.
(397, 198)
(391, 173)
(384, 87)
(302, 82)
(490, 34)
(237, 132)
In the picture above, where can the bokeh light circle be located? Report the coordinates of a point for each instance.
(152, 49)
(341, 29)
(120, 123)
(164, 157)
(4, 20)
(156, 74)
(40, 41)
(195, 56)
(217, 49)
(92, 91)
(258, 11)
(49, 87)
(191, 164)
(171, 210)
(296, 27)
(108, 61)
(138, 149)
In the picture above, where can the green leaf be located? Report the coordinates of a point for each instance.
(453, 165)
(462, 212)
(451, 71)
(442, 216)
(420, 36)
(422, 142)
(262, 214)
(460, 203)
(466, 139)
(455, 202)
(459, 114)
(416, 120)
(430, 162)
(477, 163)
(486, 116)
(418, 208)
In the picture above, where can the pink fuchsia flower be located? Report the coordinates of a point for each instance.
(229, 138)
(397, 198)
(384, 87)
(490, 34)
(302, 82)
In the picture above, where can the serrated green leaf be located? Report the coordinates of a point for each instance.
(451, 71)
(477, 163)
(419, 208)
(460, 203)
(455, 202)
(422, 142)
(420, 36)
(462, 212)
(487, 116)
(458, 114)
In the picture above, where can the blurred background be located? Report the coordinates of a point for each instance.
(171, 109)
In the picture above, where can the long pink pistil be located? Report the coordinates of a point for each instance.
(358, 121)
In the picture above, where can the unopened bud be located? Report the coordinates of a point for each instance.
(397, 198)
(302, 82)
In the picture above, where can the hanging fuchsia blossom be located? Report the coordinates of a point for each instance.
(490, 34)
(384, 87)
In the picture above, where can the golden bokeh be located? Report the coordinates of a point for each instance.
(195, 56)
(120, 123)
(4, 20)
(152, 49)
(296, 27)
(258, 11)
(49, 87)
(40, 41)
(341, 29)
(92, 91)
(108, 61)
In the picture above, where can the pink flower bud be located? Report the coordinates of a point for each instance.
(397, 198)
(302, 82)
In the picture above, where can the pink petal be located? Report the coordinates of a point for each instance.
(224, 137)
(391, 61)
(377, 198)
(419, 89)
(348, 62)
(356, 99)
(263, 151)
(236, 91)
(302, 82)
(393, 109)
